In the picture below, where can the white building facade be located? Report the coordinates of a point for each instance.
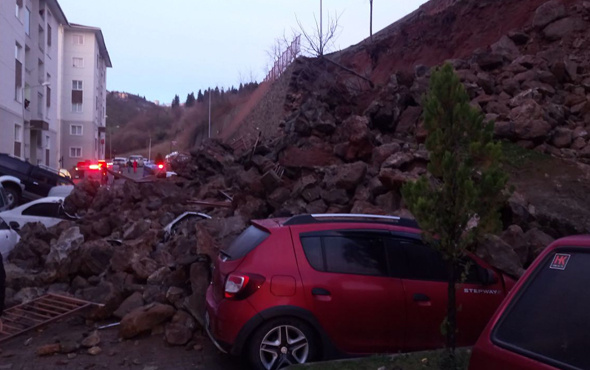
(36, 73)
(82, 96)
(29, 73)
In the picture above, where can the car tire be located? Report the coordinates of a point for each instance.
(282, 342)
(13, 197)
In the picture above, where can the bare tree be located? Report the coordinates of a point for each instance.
(318, 40)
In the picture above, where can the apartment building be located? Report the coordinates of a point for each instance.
(52, 85)
(29, 73)
(82, 96)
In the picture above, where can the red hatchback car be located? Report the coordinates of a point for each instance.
(320, 286)
(544, 323)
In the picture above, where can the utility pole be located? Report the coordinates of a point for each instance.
(371, 20)
(150, 148)
(209, 113)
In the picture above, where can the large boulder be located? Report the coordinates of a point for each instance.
(145, 319)
(60, 255)
(528, 121)
(137, 229)
(180, 329)
(199, 279)
(548, 12)
(130, 303)
(500, 255)
(94, 257)
(346, 176)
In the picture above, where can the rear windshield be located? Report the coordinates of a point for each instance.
(549, 320)
(245, 243)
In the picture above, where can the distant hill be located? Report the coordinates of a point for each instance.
(133, 121)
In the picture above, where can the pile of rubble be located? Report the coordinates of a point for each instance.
(118, 255)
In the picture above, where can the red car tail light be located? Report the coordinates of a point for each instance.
(241, 286)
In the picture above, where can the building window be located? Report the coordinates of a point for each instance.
(75, 152)
(40, 104)
(17, 140)
(48, 100)
(76, 130)
(78, 39)
(78, 62)
(19, 8)
(40, 71)
(41, 39)
(48, 36)
(18, 72)
(27, 21)
(77, 96)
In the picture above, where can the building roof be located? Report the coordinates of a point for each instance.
(57, 12)
(100, 38)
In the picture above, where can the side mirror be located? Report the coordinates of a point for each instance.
(14, 225)
(486, 276)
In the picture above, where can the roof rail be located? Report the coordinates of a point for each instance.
(349, 217)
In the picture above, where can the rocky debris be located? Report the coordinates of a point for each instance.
(92, 340)
(145, 319)
(48, 349)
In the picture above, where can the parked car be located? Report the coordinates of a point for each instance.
(119, 164)
(138, 158)
(4, 203)
(35, 180)
(16, 187)
(8, 239)
(319, 286)
(60, 191)
(543, 323)
(49, 211)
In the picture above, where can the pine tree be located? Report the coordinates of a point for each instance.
(200, 96)
(176, 101)
(190, 100)
(460, 197)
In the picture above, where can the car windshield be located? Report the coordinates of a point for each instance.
(548, 319)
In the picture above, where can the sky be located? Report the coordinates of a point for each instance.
(162, 48)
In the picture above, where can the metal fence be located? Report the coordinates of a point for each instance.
(284, 60)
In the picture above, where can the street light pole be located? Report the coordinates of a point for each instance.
(209, 113)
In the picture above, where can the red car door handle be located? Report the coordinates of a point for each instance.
(419, 297)
(320, 291)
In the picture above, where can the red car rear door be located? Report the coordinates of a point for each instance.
(348, 288)
(425, 285)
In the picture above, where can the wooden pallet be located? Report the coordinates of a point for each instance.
(41, 311)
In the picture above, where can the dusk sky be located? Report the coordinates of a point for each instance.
(159, 49)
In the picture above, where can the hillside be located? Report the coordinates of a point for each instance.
(134, 121)
(347, 146)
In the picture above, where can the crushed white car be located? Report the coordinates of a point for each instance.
(172, 227)
(8, 239)
(49, 211)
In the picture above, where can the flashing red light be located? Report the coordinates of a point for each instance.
(160, 166)
(94, 167)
